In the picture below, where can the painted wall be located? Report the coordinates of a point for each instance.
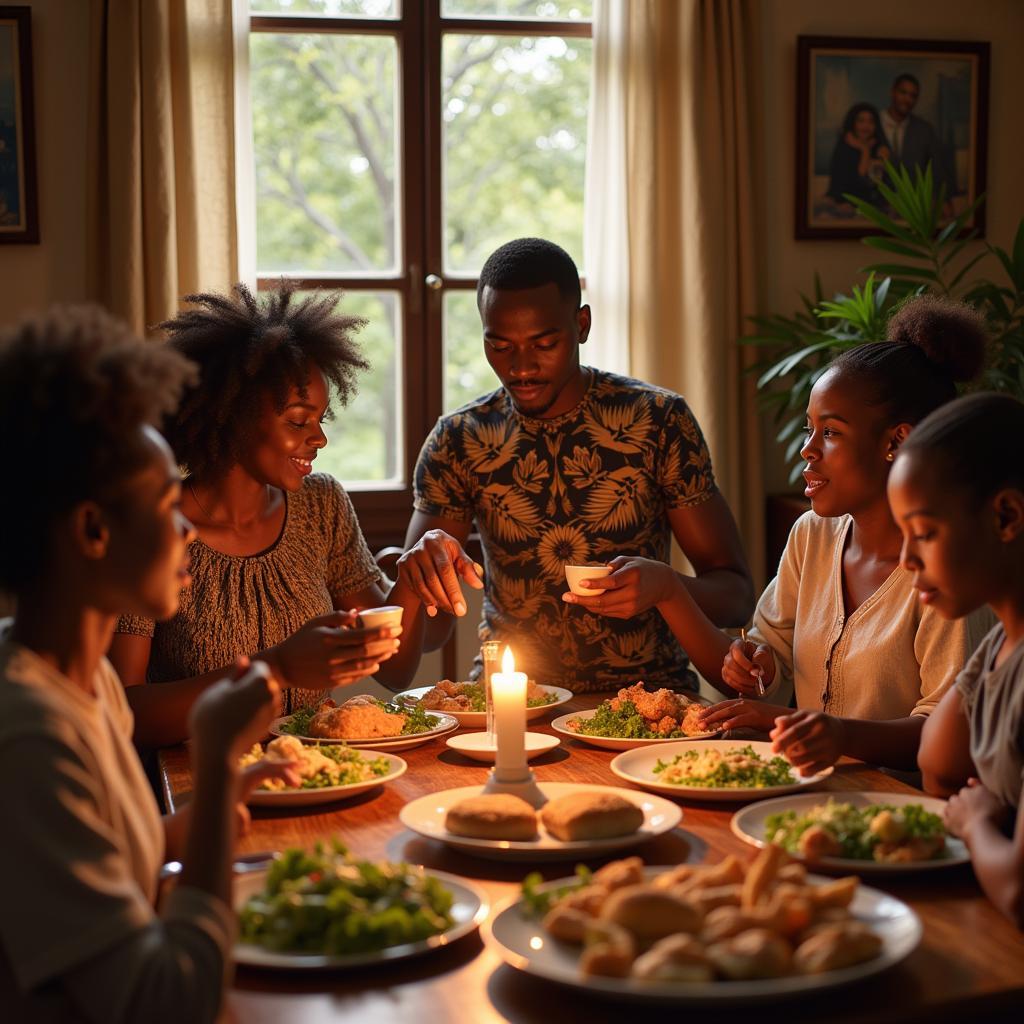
(32, 276)
(788, 266)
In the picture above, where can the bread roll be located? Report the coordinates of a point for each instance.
(591, 816)
(492, 816)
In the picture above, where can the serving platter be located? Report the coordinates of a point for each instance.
(328, 794)
(426, 816)
(443, 724)
(469, 909)
(522, 943)
(561, 725)
(478, 719)
(749, 825)
(637, 766)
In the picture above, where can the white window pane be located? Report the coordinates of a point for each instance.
(328, 8)
(563, 10)
(515, 138)
(324, 117)
(467, 374)
(365, 438)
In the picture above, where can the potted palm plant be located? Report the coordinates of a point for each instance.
(920, 254)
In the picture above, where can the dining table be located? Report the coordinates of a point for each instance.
(968, 967)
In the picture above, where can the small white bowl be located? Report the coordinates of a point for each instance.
(575, 574)
(387, 615)
(480, 747)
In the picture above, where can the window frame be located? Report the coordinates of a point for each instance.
(384, 511)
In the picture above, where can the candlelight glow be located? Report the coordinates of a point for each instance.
(508, 663)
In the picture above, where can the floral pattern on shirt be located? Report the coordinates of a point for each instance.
(583, 487)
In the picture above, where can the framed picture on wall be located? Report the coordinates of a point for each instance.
(19, 217)
(862, 102)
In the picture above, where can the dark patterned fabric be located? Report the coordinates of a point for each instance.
(580, 488)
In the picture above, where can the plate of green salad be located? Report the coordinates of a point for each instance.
(713, 770)
(323, 909)
(864, 832)
(466, 702)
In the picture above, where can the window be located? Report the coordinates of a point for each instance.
(396, 145)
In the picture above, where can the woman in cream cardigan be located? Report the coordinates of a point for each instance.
(841, 626)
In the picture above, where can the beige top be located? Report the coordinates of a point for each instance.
(891, 658)
(243, 604)
(79, 936)
(993, 700)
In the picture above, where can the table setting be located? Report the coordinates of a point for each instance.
(472, 831)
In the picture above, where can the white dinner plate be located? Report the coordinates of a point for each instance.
(443, 724)
(637, 766)
(478, 719)
(522, 943)
(561, 725)
(426, 816)
(748, 824)
(327, 794)
(469, 909)
(480, 747)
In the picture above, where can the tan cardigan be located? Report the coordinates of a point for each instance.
(891, 658)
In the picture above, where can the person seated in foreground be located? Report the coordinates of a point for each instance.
(278, 559)
(957, 492)
(567, 464)
(841, 623)
(98, 535)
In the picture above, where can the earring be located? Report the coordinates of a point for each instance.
(889, 456)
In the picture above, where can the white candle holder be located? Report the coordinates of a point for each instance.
(523, 786)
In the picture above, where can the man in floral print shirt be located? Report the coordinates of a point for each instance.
(565, 464)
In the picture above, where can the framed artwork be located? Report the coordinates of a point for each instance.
(19, 217)
(861, 102)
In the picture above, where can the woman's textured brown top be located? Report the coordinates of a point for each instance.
(245, 604)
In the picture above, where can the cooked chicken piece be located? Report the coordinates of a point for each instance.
(818, 842)
(356, 719)
(447, 696)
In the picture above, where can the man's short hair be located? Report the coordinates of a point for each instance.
(530, 263)
(906, 77)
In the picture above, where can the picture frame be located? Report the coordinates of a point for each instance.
(853, 93)
(19, 213)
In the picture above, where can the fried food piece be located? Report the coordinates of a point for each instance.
(356, 719)
(710, 897)
(909, 850)
(649, 913)
(618, 873)
(838, 893)
(589, 899)
(679, 875)
(726, 872)
(674, 958)
(818, 842)
(761, 874)
(567, 923)
(610, 950)
(447, 696)
(839, 945)
(757, 953)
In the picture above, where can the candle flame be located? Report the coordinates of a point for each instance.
(508, 663)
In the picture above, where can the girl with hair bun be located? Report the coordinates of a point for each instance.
(840, 627)
(957, 493)
(101, 535)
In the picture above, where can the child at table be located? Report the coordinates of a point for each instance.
(840, 623)
(92, 528)
(957, 492)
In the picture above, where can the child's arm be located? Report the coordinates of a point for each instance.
(945, 755)
(976, 816)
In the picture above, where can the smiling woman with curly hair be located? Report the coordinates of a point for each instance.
(279, 555)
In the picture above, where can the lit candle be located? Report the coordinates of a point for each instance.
(508, 689)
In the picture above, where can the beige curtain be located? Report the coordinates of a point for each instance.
(162, 197)
(669, 248)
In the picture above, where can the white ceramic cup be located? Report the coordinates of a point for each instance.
(388, 615)
(575, 574)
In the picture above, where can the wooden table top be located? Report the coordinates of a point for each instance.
(970, 965)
